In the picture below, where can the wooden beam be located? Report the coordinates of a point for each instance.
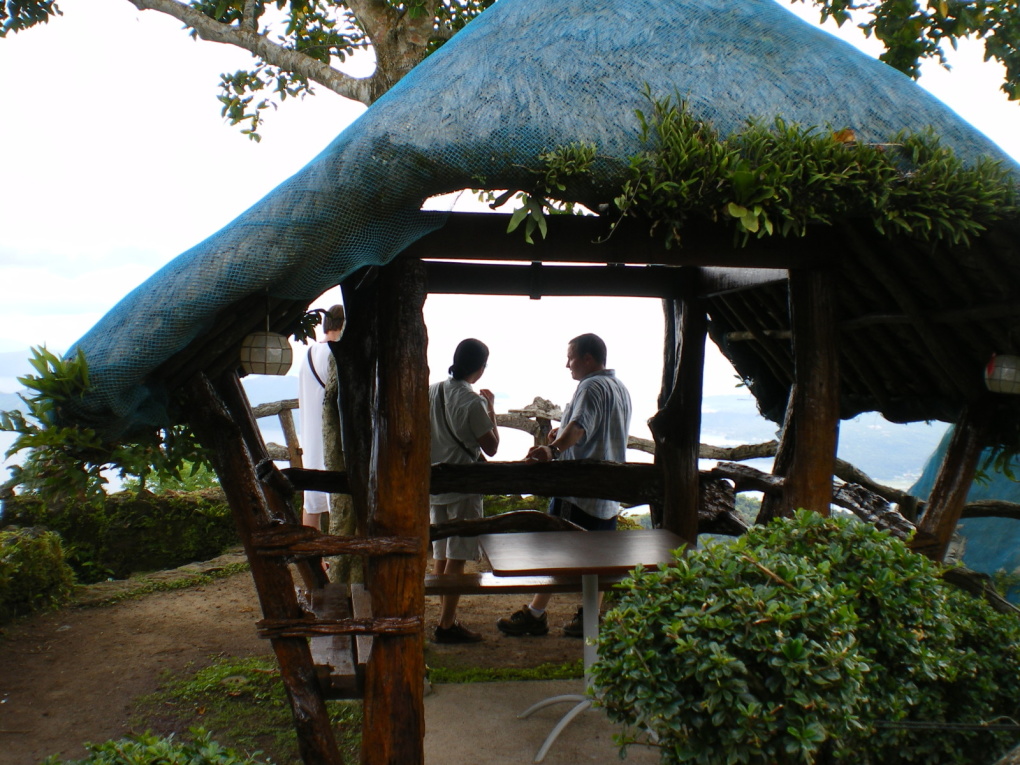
(956, 474)
(676, 427)
(723, 281)
(355, 355)
(633, 482)
(815, 423)
(670, 361)
(394, 710)
(273, 408)
(537, 280)
(589, 239)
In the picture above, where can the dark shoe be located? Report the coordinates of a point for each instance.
(523, 622)
(458, 633)
(575, 627)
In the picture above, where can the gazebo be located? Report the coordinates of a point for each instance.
(822, 327)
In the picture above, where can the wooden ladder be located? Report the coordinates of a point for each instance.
(323, 641)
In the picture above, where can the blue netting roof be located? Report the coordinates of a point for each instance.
(523, 78)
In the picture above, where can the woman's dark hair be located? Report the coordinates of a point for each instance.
(470, 356)
(590, 343)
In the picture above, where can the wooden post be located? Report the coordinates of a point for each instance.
(670, 354)
(394, 723)
(814, 421)
(342, 519)
(772, 503)
(229, 434)
(956, 474)
(676, 427)
(290, 438)
(356, 367)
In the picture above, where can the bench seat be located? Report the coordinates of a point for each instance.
(487, 583)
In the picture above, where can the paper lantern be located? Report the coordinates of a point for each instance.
(1002, 375)
(266, 353)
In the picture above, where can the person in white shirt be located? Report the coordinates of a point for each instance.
(463, 426)
(595, 426)
(311, 394)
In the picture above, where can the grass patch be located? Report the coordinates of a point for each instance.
(144, 585)
(243, 701)
(565, 671)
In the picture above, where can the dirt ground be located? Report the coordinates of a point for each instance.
(71, 676)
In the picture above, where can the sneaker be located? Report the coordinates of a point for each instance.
(575, 627)
(523, 622)
(458, 633)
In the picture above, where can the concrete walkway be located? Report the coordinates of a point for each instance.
(477, 724)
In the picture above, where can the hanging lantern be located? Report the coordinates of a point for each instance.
(266, 353)
(1002, 375)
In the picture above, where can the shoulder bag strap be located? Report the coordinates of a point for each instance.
(449, 428)
(311, 366)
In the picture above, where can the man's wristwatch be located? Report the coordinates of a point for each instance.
(554, 451)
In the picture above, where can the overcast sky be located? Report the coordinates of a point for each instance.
(115, 160)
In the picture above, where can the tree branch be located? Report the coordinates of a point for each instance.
(375, 17)
(248, 16)
(354, 88)
(991, 508)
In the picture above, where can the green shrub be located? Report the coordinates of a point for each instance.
(497, 504)
(809, 640)
(33, 574)
(131, 532)
(147, 749)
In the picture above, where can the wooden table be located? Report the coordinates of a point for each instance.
(592, 554)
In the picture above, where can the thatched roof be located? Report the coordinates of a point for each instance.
(917, 324)
(525, 77)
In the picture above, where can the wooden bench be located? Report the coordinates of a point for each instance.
(487, 583)
(340, 659)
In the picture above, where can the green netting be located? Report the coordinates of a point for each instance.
(523, 78)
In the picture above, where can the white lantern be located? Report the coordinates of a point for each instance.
(1002, 375)
(266, 353)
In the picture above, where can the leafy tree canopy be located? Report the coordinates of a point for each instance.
(299, 42)
(65, 462)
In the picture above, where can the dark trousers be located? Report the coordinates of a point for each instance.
(568, 511)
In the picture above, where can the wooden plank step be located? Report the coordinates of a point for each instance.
(340, 659)
(361, 604)
(487, 583)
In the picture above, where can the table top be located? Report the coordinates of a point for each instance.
(577, 552)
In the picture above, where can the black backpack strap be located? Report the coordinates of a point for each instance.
(311, 366)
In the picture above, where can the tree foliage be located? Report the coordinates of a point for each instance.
(781, 178)
(67, 463)
(913, 32)
(296, 43)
